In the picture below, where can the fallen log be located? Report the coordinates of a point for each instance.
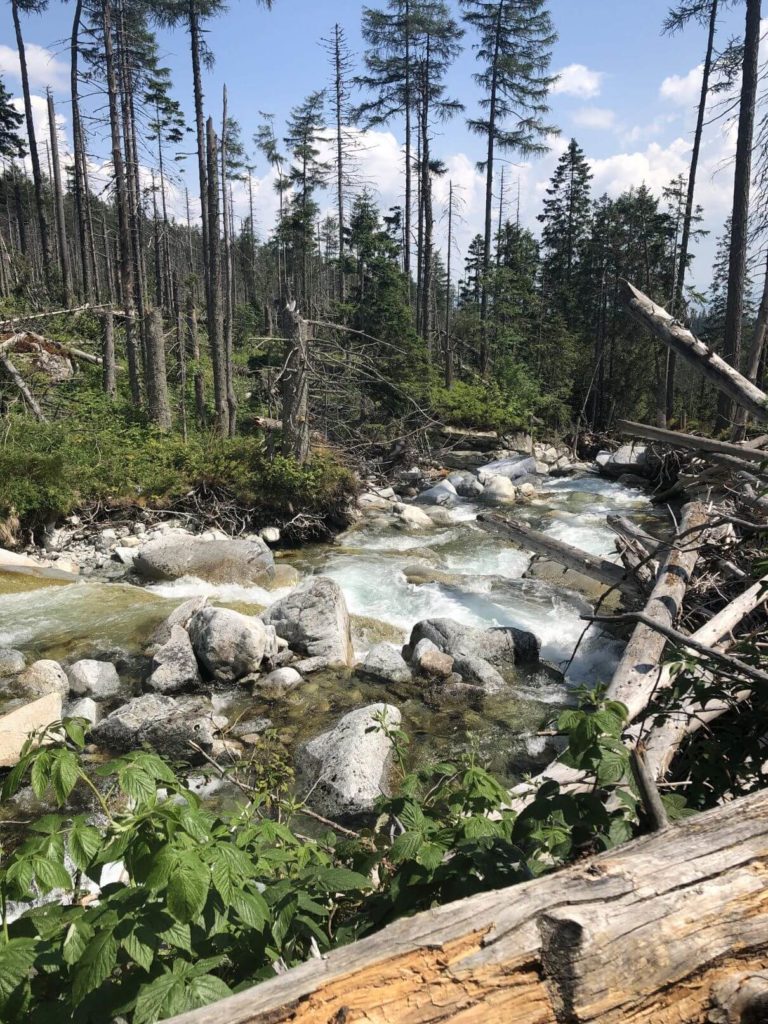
(58, 346)
(689, 442)
(596, 568)
(628, 530)
(680, 340)
(20, 383)
(643, 934)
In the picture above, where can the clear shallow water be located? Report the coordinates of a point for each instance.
(469, 575)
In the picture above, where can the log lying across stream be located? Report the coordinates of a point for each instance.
(660, 931)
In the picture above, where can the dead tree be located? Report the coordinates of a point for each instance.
(294, 383)
(109, 375)
(158, 406)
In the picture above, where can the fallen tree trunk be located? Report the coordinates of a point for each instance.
(680, 340)
(641, 935)
(689, 442)
(596, 568)
(20, 383)
(628, 530)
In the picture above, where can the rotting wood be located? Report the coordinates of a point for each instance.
(691, 442)
(682, 341)
(596, 568)
(639, 935)
(21, 384)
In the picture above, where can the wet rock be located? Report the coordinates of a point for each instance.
(632, 480)
(351, 763)
(526, 490)
(499, 489)
(182, 615)
(443, 493)
(381, 500)
(385, 664)
(277, 682)
(166, 724)
(463, 459)
(41, 678)
(174, 666)
(440, 516)
(97, 679)
(629, 458)
(11, 662)
(217, 561)
(306, 666)
(430, 661)
(314, 620)
(247, 728)
(413, 517)
(467, 485)
(230, 645)
(16, 726)
(512, 468)
(86, 708)
(270, 535)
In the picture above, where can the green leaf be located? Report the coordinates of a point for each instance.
(251, 908)
(16, 959)
(65, 773)
(140, 947)
(406, 846)
(138, 784)
(188, 888)
(84, 844)
(229, 868)
(178, 936)
(40, 776)
(342, 880)
(612, 766)
(154, 1000)
(96, 964)
(430, 856)
(51, 874)
(73, 727)
(204, 990)
(77, 937)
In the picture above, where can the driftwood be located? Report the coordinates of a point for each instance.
(628, 530)
(20, 383)
(680, 340)
(644, 934)
(596, 568)
(689, 442)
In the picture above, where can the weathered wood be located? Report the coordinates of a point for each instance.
(21, 384)
(680, 340)
(596, 568)
(628, 530)
(692, 442)
(639, 935)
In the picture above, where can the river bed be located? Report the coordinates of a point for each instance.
(391, 578)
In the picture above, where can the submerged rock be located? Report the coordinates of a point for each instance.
(41, 678)
(314, 620)
(166, 724)
(230, 645)
(98, 679)
(349, 766)
(217, 561)
(385, 664)
(174, 666)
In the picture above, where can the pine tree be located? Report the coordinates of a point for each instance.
(566, 221)
(340, 59)
(11, 142)
(514, 48)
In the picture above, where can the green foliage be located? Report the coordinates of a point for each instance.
(486, 405)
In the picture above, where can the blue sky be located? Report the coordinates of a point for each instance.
(627, 94)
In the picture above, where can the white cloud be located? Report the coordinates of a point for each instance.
(42, 130)
(43, 67)
(684, 90)
(579, 80)
(595, 117)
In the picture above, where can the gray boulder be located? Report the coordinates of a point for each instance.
(629, 458)
(174, 666)
(512, 469)
(349, 766)
(430, 661)
(166, 724)
(483, 656)
(11, 662)
(97, 679)
(41, 678)
(443, 493)
(413, 517)
(217, 561)
(230, 645)
(182, 615)
(385, 664)
(499, 489)
(314, 620)
(86, 708)
(467, 485)
(457, 459)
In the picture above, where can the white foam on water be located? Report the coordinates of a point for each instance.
(225, 593)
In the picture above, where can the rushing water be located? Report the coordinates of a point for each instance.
(391, 579)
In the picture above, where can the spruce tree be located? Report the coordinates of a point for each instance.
(11, 142)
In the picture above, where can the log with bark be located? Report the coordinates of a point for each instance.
(689, 442)
(654, 932)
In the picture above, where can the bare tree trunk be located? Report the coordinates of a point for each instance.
(734, 310)
(485, 353)
(677, 307)
(61, 224)
(197, 80)
(215, 326)
(125, 251)
(86, 245)
(295, 386)
(21, 384)
(37, 177)
(109, 369)
(228, 280)
(448, 342)
(158, 406)
(754, 356)
(407, 96)
(194, 348)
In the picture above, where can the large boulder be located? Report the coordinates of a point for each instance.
(217, 561)
(443, 493)
(385, 664)
(17, 725)
(181, 615)
(230, 645)
(174, 666)
(40, 679)
(349, 766)
(499, 489)
(629, 458)
(314, 620)
(512, 469)
(484, 656)
(97, 679)
(166, 724)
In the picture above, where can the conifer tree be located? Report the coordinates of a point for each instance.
(11, 142)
